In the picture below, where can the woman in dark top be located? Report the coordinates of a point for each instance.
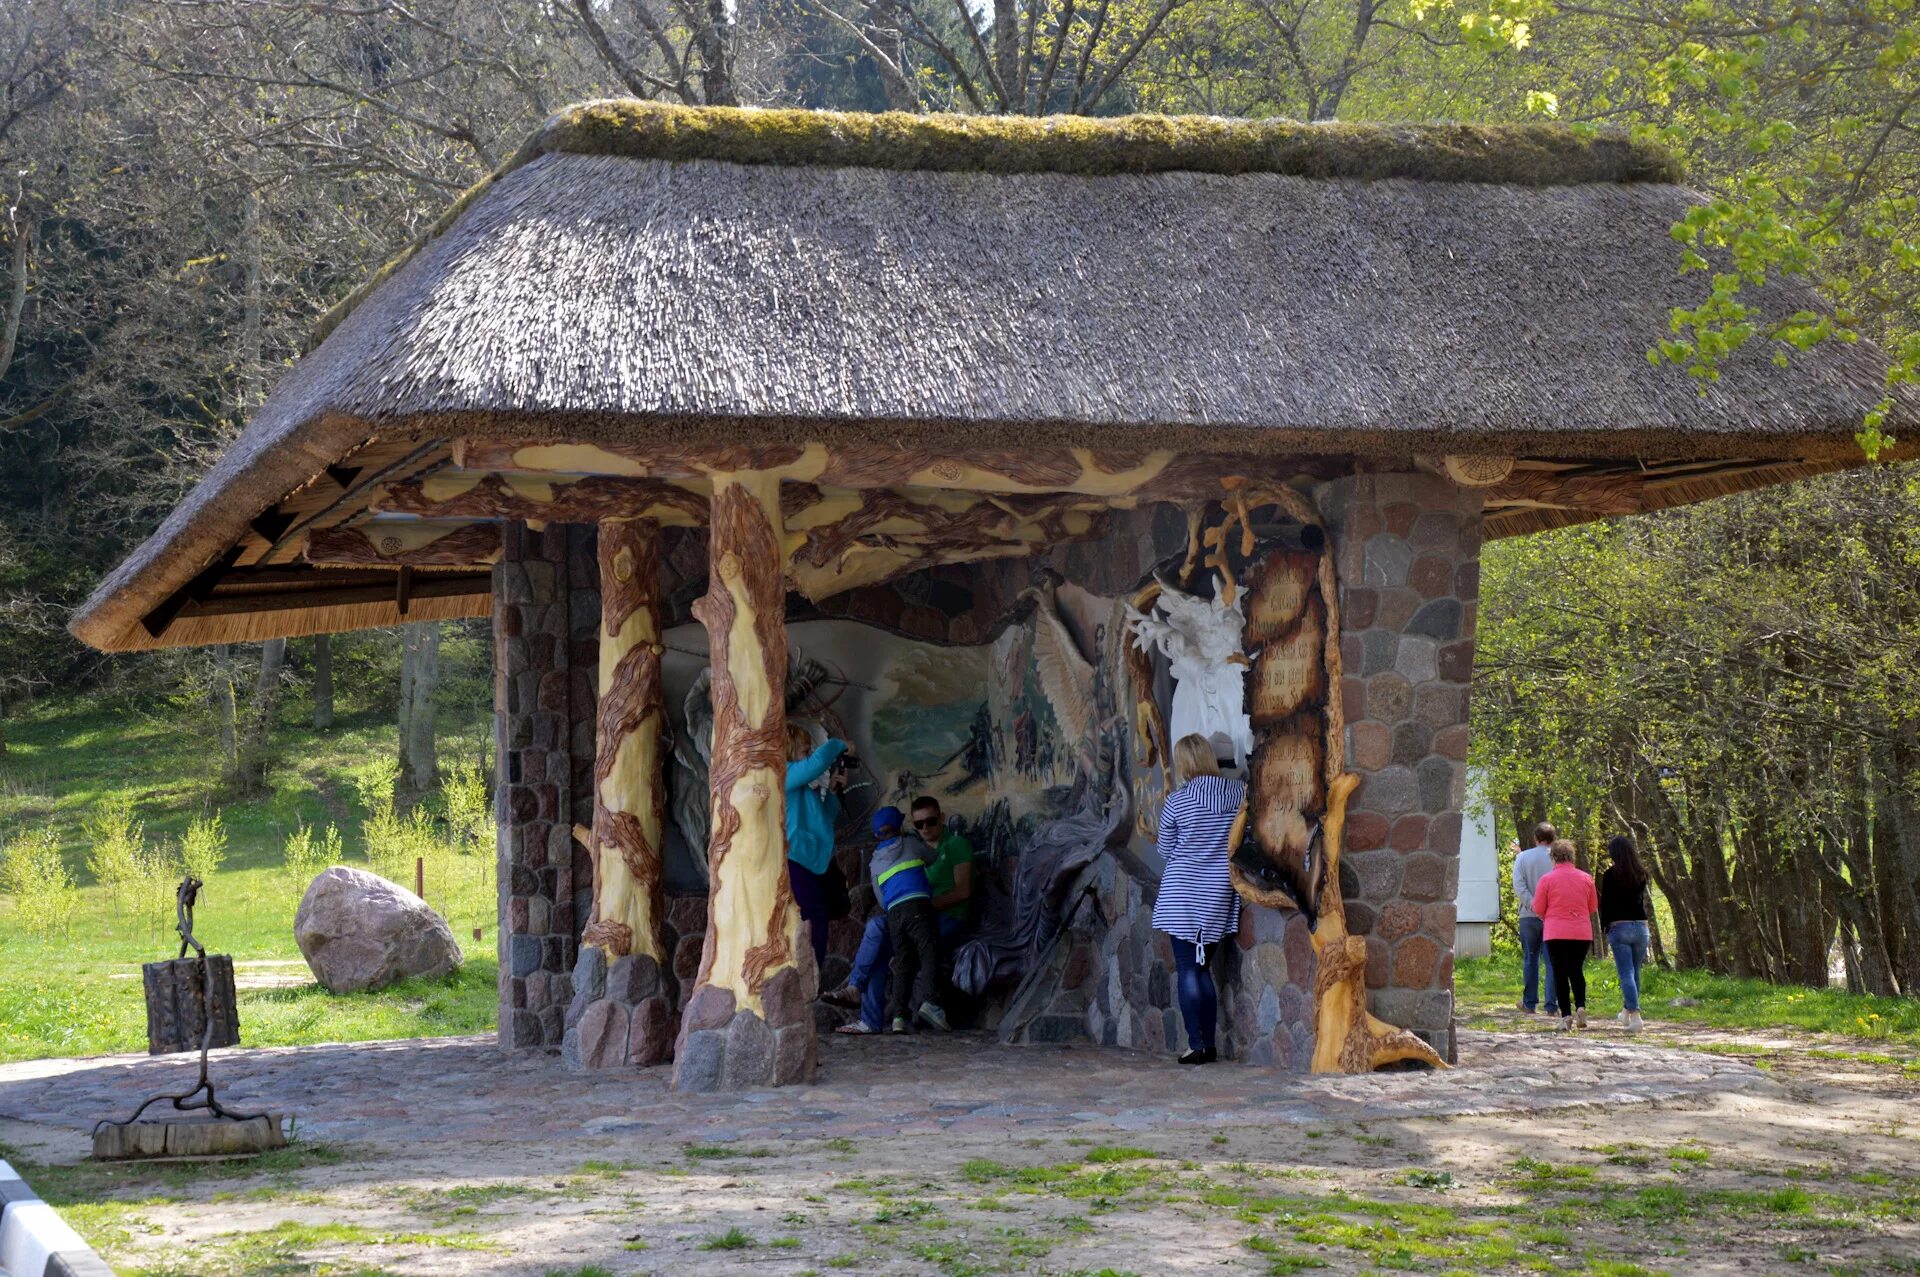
(1623, 919)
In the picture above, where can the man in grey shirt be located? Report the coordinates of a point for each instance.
(1529, 867)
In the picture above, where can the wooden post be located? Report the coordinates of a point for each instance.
(749, 1022)
(629, 791)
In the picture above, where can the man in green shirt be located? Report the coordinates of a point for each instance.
(950, 877)
(951, 872)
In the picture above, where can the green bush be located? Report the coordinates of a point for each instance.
(204, 847)
(151, 891)
(116, 843)
(32, 872)
(305, 855)
(469, 813)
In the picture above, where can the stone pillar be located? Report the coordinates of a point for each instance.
(749, 1021)
(1408, 557)
(534, 698)
(622, 1011)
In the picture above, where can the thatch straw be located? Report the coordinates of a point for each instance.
(605, 296)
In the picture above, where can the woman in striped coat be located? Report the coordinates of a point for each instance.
(1197, 905)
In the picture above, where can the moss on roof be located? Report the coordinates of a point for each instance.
(1507, 154)
(1514, 154)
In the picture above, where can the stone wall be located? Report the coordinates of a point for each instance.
(1408, 560)
(1409, 551)
(546, 608)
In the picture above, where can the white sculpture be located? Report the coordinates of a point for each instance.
(1201, 640)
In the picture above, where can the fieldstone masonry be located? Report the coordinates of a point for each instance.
(544, 720)
(1408, 549)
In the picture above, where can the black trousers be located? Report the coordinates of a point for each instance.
(916, 958)
(1569, 959)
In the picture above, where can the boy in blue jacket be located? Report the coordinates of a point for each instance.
(899, 870)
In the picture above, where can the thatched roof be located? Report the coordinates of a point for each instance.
(642, 273)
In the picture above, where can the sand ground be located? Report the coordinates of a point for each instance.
(1684, 1151)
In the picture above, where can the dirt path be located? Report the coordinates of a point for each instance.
(1540, 1155)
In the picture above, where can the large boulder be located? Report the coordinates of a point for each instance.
(359, 932)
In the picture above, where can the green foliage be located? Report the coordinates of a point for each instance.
(305, 855)
(468, 809)
(32, 872)
(116, 845)
(732, 1239)
(1732, 684)
(204, 847)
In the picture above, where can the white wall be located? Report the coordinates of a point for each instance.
(1478, 900)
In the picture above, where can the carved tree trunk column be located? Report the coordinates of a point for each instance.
(1295, 823)
(623, 1010)
(749, 1022)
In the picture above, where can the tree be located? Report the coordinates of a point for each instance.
(419, 679)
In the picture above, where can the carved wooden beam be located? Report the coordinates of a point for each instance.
(629, 776)
(405, 544)
(848, 538)
(756, 964)
(842, 538)
(1600, 494)
(1161, 475)
(555, 498)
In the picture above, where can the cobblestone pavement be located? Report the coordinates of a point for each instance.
(454, 1089)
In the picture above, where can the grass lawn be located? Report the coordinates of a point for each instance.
(80, 993)
(1489, 984)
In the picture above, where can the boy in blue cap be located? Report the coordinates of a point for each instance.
(899, 870)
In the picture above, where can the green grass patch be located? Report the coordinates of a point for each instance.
(1117, 1153)
(732, 1239)
(1485, 985)
(80, 993)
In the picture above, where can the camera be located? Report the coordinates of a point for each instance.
(846, 763)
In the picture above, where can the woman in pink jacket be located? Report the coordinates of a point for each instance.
(1568, 905)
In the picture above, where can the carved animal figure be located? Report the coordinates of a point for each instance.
(1201, 639)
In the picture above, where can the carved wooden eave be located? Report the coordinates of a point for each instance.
(856, 514)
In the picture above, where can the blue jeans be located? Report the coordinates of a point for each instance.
(872, 972)
(1628, 941)
(1199, 1003)
(1534, 962)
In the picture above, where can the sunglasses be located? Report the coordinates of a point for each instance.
(929, 822)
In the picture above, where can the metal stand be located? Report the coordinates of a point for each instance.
(186, 1102)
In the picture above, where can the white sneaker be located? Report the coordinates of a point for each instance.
(1620, 1016)
(1566, 1024)
(1634, 1022)
(1580, 1018)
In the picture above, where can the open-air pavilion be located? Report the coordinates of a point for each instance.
(886, 422)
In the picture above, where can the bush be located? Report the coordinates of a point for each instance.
(32, 872)
(306, 855)
(469, 813)
(204, 848)
(152, 890)
(115, 844)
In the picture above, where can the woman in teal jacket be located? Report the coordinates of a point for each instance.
(811, 815)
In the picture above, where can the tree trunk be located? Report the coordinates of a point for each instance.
(253, 755)
(322, 682)
(756, 970)
(419, 678)
(220, 695)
